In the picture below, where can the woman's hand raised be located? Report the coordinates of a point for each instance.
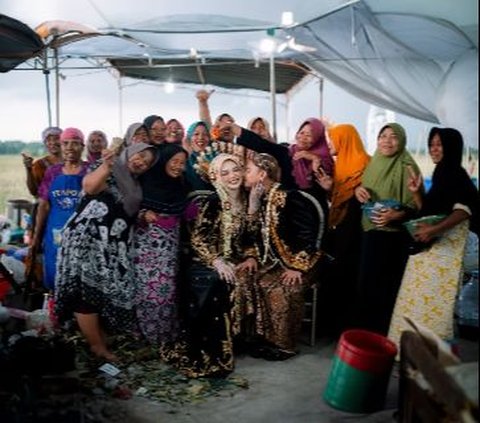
(414, 181)
(108, 157)
(323, 179)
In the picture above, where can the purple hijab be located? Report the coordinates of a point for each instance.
(302, 168)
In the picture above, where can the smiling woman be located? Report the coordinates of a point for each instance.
(217, 295)
(432, 277)
(97, 240)
(59, 194)
(384, 249)
(157, 245)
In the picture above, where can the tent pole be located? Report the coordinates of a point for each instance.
(120, 106)
(320, 90)
(272, 95)
(46, 72)
(57, 88)
(287, 116)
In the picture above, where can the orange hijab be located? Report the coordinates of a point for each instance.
(349, 166)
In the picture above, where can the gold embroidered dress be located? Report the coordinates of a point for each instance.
(289, 240)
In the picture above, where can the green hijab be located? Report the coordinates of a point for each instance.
(386, 178)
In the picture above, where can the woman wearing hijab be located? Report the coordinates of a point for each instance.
(36, 168)
(157, 245)
(197, 140)
(95, 277)
(300, 162)
(59, 194)
(384, 239)
(35, 172)
(136, 133)
(261, 127)
(175, 132)
(157, 130)
(96, 143)
(431, 279)
(343, 237)
(219, 298)
(310, 153)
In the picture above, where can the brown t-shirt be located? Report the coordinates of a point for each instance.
(39, 167)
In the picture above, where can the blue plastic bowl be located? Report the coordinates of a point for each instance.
(372, 206)
(412, 224)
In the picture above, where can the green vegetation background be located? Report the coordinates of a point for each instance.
(12, 172)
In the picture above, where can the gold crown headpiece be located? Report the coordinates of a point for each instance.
(202, 166)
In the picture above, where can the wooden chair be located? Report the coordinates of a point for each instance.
(310, 316)
(427, 392)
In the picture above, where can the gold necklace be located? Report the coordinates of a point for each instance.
(268, 221)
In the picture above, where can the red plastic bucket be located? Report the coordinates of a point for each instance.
(360, 373)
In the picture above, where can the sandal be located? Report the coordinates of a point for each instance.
(277, 354)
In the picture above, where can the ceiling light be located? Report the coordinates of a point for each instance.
(287, 18)
(169, 87)
(268, 45)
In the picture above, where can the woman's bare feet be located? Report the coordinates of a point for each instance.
(102, 352)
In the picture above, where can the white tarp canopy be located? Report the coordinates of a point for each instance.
(419, 58)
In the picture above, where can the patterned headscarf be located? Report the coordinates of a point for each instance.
(302, 168)
(349, 166)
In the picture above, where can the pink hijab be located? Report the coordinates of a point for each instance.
(302, 168)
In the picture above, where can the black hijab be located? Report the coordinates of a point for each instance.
(150, 120)
(162, 193)
(450, 181)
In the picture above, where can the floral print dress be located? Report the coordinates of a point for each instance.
(94, 267)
